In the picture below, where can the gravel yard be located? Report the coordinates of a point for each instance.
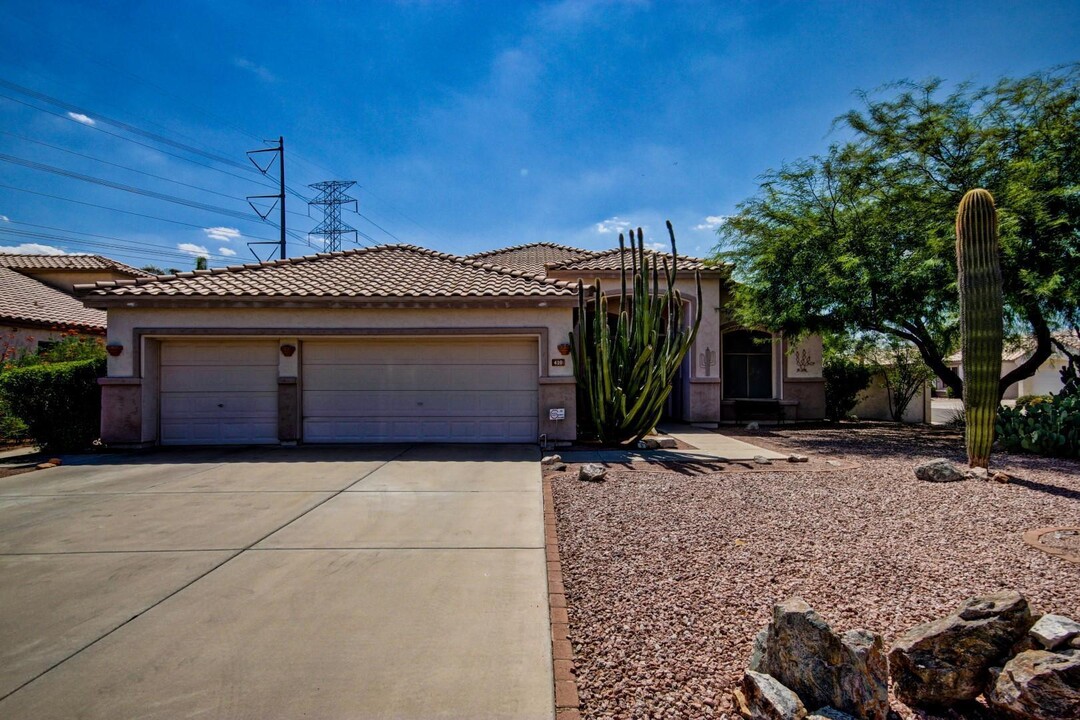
(669, 574)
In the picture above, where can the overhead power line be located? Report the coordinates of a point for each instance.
(126, 188)
(62, 116)
(141, 251)
(120, 210)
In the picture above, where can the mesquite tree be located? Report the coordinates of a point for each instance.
(625, 372)
(978, 267)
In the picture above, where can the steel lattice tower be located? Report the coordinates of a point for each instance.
(331, 197)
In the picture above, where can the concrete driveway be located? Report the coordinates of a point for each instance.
(333, 582)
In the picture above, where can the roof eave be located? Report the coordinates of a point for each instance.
(105, 302)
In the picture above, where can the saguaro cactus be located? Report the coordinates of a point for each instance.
(624, 369)
(979, 278)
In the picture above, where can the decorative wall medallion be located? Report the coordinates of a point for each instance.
(708, 360)
(803, 360)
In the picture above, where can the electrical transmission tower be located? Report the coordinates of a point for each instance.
(332, 196)
(279, 198)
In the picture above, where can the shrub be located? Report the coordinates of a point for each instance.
(12, 429)
(1048, 427)
(844, 380)
(1027, 400)
(59, 402)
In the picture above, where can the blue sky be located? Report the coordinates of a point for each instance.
(467, 126)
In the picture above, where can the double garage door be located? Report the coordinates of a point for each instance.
(370, 390)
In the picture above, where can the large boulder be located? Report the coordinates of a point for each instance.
(939, 470)
(592, 472)
(763, 697)
(849, 673)
(1038, 685)
(947, 661)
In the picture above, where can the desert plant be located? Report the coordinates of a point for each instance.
(59, 402)
(844, 380)
(978, 266)
(1025, 400)
(624, 369)
(903, 375)
(1050, 427)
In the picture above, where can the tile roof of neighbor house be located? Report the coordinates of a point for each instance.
(24, 300)
(392, 271)
(75, 263)
(532, 258)
(610, 260)
(1027, 345)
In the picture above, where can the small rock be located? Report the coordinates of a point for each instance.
(763, 697)
(55, 461)
(551, 460)
(828, 713)
(1054, 631)
(798, 459)
(754, 425)
(939, 470)
(1075, 643)
(45, 465)
(762, 460)
(1038, 685)
(834, 463)
(977, 473)
(1000, 477)
(648, 444)
(592, 472)
(667, 443)
(947, 661)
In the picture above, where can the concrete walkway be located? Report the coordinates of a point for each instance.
(711, 446)
(351, 582)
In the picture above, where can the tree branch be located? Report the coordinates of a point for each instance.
(1043, 349)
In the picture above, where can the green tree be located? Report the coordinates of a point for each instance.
(861, 239)
(200, 263)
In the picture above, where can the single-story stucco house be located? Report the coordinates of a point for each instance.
(37, 306)
(402, 343)
(1047, 378)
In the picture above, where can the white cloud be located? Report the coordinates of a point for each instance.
(30, 249)
(4, 218)
(658, 247)
(258, 70)
(222, 234)
(193, 249)
(226, 251)
(612, 225)
(524, 172)
(84, 119)
(712, 222)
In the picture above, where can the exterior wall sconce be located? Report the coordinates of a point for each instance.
(288, 350)
(114, 348)
(564, 348)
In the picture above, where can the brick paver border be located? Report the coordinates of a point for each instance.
(567, 702)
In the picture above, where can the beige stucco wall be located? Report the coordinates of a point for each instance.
(20, 340)
(874, 403)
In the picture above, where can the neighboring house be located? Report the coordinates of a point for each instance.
(1047, 379)
(401, 343)
(36, 302)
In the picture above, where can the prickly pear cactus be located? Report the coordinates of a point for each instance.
(979, 278)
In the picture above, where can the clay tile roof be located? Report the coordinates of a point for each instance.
(25, 300)
(609, 260)
(67, 262)
(532, 258)
(382, 271)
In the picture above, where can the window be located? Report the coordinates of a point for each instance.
(748, 364)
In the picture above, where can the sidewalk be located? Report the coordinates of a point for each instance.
(709, 446)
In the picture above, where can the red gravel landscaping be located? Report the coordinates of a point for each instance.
(668, 575)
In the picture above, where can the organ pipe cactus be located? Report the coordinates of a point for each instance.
(979, 279)
(625, 369)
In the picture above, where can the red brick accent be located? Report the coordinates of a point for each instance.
(567, 700)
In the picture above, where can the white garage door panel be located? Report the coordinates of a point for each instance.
(420, 377)
(219, 392)
(423, 403)
(415, 390)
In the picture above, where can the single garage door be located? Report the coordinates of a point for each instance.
(420, 390)
(219, 392)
